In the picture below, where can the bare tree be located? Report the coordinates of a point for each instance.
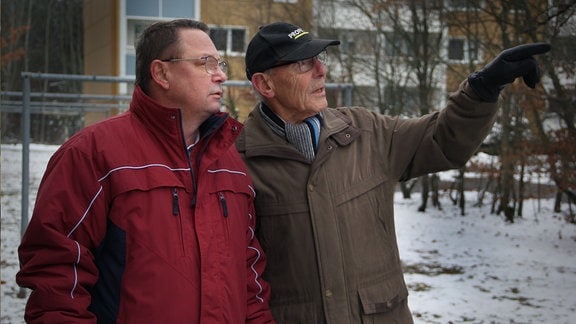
(391, 51)
(526, 115)
(52, 42)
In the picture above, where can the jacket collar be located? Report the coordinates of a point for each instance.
(338, 126)
(167, 120)
(155, 116)
(259, 139)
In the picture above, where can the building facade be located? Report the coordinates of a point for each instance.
(113, 26)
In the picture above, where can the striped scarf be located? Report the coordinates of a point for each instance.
(304, 136)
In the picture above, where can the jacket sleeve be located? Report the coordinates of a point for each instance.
(258, 289)
(55, 255)
(442, 140)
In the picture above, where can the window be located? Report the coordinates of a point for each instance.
(135, 28)
(407, 44)
(473, 49)
(130, 64)
(142, 13)
(456, 49)
(148, 8)
(402, 100)
(230, 40)
(348, 46)
(177, 8)
(460, 49)
(464, 4)
(397, 45)
(355, 42)
(160, 8)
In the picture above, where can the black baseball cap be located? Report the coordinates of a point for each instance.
(279, 43)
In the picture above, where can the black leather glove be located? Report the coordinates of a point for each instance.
(505, 68)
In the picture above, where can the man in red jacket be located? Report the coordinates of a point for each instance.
(148, 217)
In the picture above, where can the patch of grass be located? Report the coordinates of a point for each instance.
(432, 269)
(418, 286)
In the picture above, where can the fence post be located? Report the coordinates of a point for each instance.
(25, 162)
(25, 153)
(348, 95)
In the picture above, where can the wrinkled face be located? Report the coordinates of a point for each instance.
(190, 85)
(296, 95)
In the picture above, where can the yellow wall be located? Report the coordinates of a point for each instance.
(101, 52)
(101, 35)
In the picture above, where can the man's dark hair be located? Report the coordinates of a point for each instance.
(160, 41)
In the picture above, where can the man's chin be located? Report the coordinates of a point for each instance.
(321, 104)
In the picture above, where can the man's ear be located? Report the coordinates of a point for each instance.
(263, 84)
(158, 72)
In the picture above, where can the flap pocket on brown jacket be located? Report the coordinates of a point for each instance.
(359, 188)
(382, 297)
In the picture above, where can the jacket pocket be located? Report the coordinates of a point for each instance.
(232, 198)
(359, 188)
(382, 297)
(150, 204)
(231, 202)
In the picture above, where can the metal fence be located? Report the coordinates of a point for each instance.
(28, 102)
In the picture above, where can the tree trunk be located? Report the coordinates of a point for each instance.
(521, 188)
(425, 193)
(435, 186)
(507, 168)
(406, 188)
(558, 202)
(482, 192)
(462, 201)
(495, 197)
(453, 197)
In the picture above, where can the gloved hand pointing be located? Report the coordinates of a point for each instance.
(505, 68)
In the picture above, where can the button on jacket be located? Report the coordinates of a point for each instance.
(327, 227)
(127, 227)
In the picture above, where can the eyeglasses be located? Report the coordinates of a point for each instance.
(308, 64)
(211, 64)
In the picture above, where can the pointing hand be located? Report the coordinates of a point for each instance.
(505, 68)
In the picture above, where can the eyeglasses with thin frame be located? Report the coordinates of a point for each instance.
(211, 64)
(308, 64)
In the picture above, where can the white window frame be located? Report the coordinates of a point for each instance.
(229, 48)
(128, 34)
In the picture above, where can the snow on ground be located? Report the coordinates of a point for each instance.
(459, 269)
(492, 272)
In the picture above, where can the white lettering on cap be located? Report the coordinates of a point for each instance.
(297, 33)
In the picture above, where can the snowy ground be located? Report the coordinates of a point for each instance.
(471, 269)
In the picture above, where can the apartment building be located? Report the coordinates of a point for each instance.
(111, 28)
(404, 57)
(401, 56)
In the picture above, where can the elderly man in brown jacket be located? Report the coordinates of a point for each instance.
(325, 177)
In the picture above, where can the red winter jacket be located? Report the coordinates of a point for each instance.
(128, 229)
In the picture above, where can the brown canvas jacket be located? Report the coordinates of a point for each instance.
(327, 228)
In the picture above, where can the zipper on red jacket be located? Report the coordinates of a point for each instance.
(176, 213)
(175, 204)
(223, 203)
